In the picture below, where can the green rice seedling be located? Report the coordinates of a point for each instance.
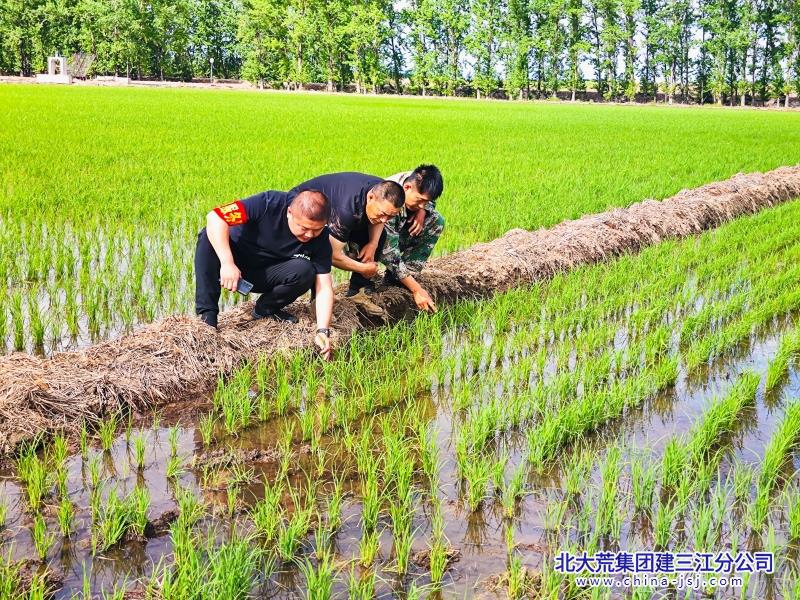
(232, 569)
(413, 592)
(368, 547)
(703, 527)
(66, 516)
(264, 408)
(402, 514)
(172, 439)
(517, 578)
(319, 579)
(307, 424)
(576, 472)
(156, 421)
(232, 498)
(743, 591)
(37, 324)
(361, 587)
(185, 550)
(3, 513)
(10, 576)
(292, 533)
(429, 451)
(112, 522)
(499, 472)
(138, 505)
(438, 561)
(643, 483)
(139, 448)
(117, 593)
(325, 416)
(190, 509)
(771, 542)
(267, 518)
(402, 550)
(784, 440)
(477, 471)
(790, 586)
(437, 519)
(61, 476)
(245, 408)
(106, 430)
(334, 511)
(721, 417)
(240, 474)
(554, 513)
(59, 451)
(42, 540)
(662, 526)
(34, 473)
(514, 491)
(673, 464)
(174, 467)
(610, 471)
(95, 466)
(95, 497)
(371, 500)
(742, 480)
(206, 427)
(792, 512)
(706, 471)
(788, 349)
(320, 457)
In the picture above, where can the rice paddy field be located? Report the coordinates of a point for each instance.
(648, 404)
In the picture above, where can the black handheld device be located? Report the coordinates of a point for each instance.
(243, 286)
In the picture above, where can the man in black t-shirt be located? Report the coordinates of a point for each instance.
(360, 205)
(276, 241)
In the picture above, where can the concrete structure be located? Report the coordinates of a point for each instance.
(56, 71)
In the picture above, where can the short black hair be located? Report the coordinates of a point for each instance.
(389, 191)
(428, 180)
(313, 205)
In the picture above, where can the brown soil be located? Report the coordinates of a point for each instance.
(179, 355)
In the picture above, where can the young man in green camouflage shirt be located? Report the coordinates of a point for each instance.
(413, 233)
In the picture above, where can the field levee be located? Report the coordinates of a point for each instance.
(178, 356)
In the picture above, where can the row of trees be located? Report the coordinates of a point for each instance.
(706, 50)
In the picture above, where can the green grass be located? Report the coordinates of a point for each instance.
(140, 168)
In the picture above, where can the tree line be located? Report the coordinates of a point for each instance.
(723, 51)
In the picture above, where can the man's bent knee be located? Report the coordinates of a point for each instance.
(302, 271)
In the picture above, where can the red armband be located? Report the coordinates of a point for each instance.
(232, 214)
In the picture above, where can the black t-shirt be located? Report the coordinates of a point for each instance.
(347, 193)
(264, 237)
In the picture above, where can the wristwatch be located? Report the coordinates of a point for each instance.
(324, 330)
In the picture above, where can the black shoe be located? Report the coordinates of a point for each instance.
(276, 314)
(209, 317)
(368, 288)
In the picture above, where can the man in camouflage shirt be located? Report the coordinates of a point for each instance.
(411, 235)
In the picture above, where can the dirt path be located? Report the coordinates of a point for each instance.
(179, 355)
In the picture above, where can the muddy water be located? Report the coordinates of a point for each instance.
(478, 536)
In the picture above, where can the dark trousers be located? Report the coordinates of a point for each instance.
(280, 284)
(358, 240)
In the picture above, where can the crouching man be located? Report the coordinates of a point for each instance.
(411, 235)
(278, 242)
